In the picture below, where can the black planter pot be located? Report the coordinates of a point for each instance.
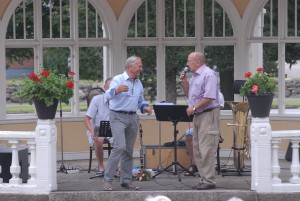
(44, 112)
(260, 106)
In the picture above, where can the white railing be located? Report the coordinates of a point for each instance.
(265, 166)
(264, 158)
(42, 169)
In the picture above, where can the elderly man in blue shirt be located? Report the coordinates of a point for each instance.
(125, 96)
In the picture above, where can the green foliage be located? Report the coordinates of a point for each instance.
(47, 86)
(259, 84)
(91, 63)
(56, 59)
(148, 76)
(175, 61)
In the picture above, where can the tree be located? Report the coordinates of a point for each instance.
(148, 75)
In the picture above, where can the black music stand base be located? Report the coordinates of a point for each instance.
(175, 163)
(96, 177)
(62, 169)
(239, 171)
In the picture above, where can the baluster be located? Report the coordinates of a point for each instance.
(32, 167)
(295, 166)
(275, 163)
(15, 168)
(1, 180)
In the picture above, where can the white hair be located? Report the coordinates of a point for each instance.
(131, 60)
(157, 198)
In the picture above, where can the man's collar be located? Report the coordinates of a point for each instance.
(200, 69)
(126, 76)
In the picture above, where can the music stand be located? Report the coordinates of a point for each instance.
(175, 114)
(103, 130)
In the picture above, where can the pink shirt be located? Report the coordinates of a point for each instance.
(204, 84)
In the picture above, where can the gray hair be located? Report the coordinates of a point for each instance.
(131, 60)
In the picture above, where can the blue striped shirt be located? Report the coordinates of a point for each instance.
(129, 101)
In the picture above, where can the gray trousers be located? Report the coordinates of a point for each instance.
(124, 129)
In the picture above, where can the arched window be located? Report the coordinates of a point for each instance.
(274, 44)
(62, 35)
(163, 33)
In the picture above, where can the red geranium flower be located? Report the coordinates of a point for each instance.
(70, 84)
(248, 74)
(37, 80)
(71, 73)
(260, 69)
(32, 76)
(254, 88)
(45, 73)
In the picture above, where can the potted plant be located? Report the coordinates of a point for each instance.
(45, 90)
(259, 90)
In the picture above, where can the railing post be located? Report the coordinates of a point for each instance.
(261, 134)
(46, 139)
(15, 168)
(1, 180)
(275, 163)
(295, 167)
(32, 167)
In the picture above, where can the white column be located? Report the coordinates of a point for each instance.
(46, 138)
(261, 155)
(15, 168)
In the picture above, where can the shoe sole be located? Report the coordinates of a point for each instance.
(206, 188)
(107, 188)
(129, 187)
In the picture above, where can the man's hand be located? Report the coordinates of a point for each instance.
(122, 88)
(148, 110)
(189, 111)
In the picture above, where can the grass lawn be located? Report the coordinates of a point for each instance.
(26, 108)
(289, 103)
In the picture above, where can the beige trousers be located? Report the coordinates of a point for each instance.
(205, 143)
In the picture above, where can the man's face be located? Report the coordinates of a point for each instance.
(136, 68)
(192, 63)
(106, 85)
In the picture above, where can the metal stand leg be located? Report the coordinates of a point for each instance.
(175, 163)
(62, 166)
(238, 170)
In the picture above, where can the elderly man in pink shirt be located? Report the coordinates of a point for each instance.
(203, 98)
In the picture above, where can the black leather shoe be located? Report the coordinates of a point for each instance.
(191, 171)
(203, 186)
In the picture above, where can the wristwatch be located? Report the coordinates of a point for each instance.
(194, 109)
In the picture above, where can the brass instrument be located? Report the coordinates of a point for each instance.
(241, 138)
